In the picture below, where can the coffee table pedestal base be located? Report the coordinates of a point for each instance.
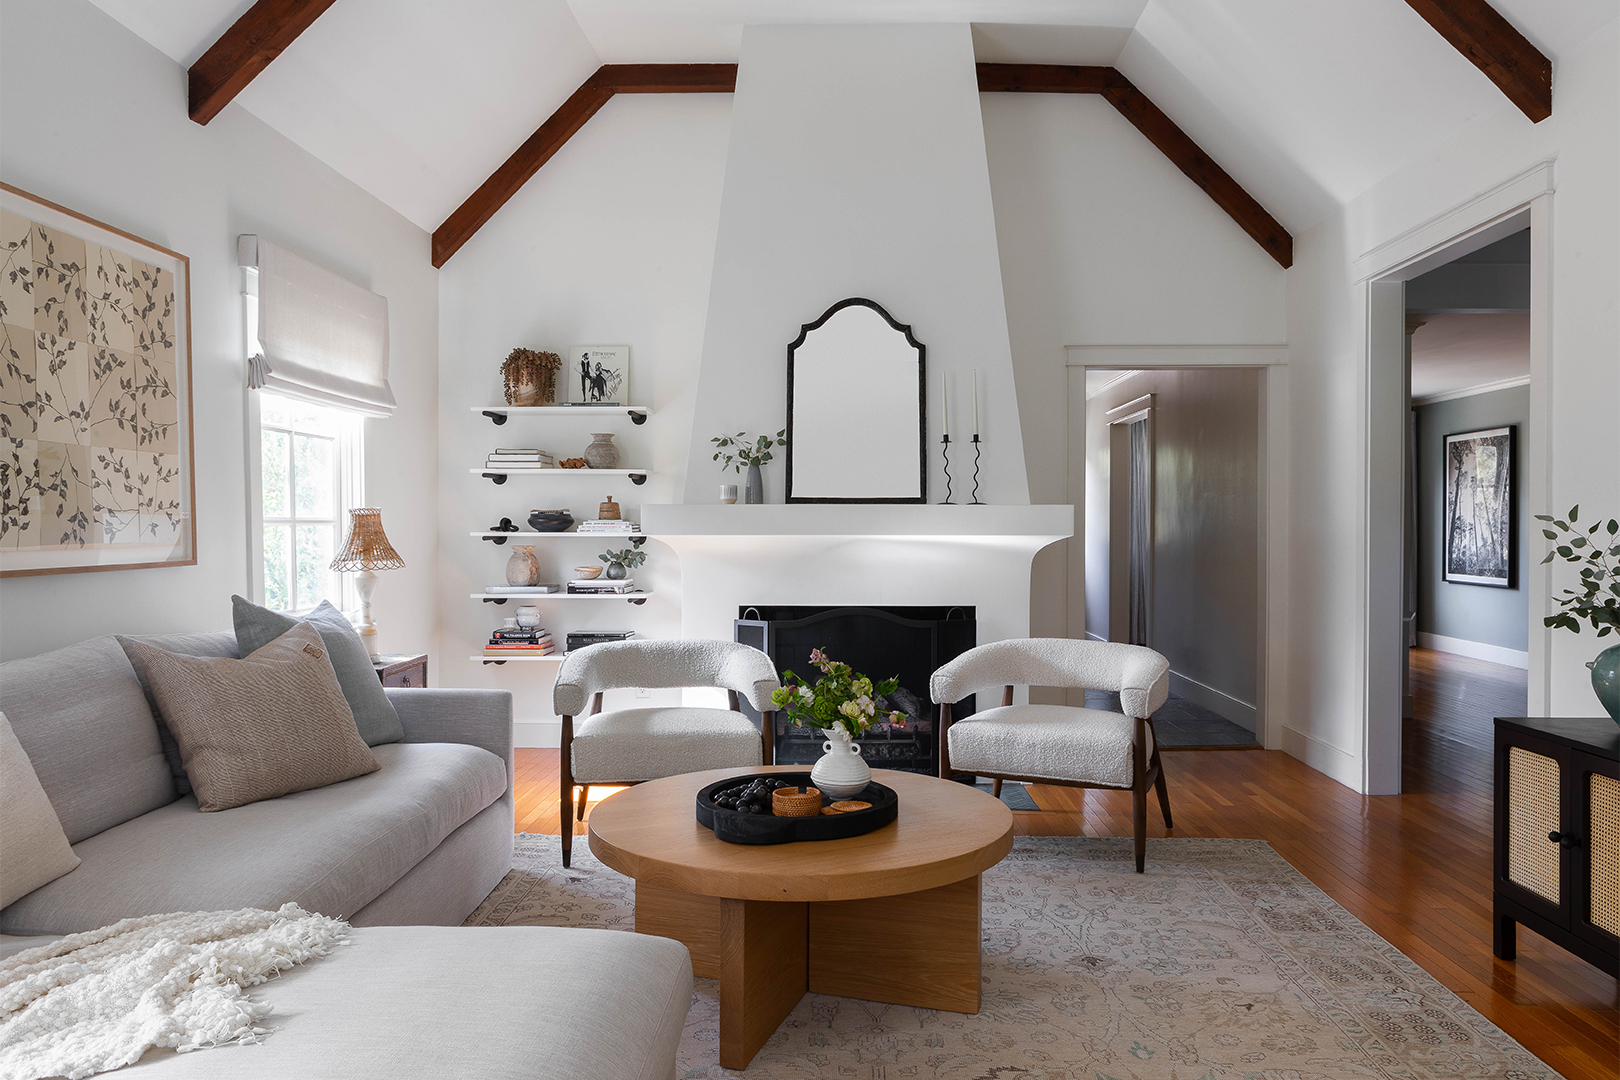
(920, 948)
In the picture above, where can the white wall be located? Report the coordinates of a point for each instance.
(1328, 347)
(857, 168)
(611, 243)
(93, 118)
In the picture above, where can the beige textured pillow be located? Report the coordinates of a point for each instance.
(269, 724)
(34, 850)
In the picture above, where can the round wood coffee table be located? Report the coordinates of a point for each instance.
(891, 916)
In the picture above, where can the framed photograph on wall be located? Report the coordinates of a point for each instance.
(598, 374)
(96, 465)
(1480, 540)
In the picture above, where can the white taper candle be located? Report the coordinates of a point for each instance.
(975, 401)
(944, 408)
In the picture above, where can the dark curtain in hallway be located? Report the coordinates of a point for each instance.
(1141, 540)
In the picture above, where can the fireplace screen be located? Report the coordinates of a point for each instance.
(905, 642)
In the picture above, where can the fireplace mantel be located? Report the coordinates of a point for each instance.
(1041, 524)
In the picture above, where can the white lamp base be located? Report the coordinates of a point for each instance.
(365, 583)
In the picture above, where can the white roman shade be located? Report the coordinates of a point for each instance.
(322, 338)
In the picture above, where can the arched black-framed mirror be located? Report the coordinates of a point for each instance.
(857, 409)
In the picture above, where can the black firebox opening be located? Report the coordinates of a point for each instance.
(882, 642)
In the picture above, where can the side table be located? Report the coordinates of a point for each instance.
(401, 669)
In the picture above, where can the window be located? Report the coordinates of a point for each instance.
(309, 477)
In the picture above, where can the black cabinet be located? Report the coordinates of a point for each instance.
(1558, 835)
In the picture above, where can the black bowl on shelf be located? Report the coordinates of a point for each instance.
(739, 828)
(550, 520)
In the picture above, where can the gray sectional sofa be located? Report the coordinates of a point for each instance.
(421, 841)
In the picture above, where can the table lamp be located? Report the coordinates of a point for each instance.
(366, 550)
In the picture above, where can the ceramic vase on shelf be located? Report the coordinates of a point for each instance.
(755, 486)
(1606, 680)
(523, 568)
(841, 773)
(528, 617)
(616, 571)
(602, 454)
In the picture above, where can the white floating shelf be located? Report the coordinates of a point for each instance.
(553, 658)
(498, 475)
(546, 598)
(556, 535)
(498, 413)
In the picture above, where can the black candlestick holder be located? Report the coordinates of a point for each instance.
(975, 501)
(945, 454)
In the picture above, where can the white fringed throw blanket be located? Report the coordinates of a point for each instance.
(96, 1001)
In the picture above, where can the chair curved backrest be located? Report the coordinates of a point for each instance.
(618, 665)
(1139, 675)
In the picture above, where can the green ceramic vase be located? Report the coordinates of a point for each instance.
(1606, 680)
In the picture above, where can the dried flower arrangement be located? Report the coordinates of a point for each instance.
(530, 377)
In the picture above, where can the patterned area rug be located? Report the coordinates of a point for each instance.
(1220, 962)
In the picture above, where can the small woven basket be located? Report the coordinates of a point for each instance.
(791, 802)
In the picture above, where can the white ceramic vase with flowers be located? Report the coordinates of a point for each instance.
(843, 703)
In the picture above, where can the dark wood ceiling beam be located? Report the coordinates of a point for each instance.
(1496, 47)
(612, 79)
(258, 37)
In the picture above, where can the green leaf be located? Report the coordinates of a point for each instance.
(1614, 526)
(1548, 533)
(1574, 511)
(1551, 555)
(1563, 549)
(1579, 541)
(1543, 517)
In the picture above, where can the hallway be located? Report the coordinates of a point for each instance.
(1446, 743)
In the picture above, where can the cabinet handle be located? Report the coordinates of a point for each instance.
(1564, 839)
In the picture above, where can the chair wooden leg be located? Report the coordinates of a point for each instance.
(1139, 816)
(565, 790)
(584, 796)
(941, 731)
(1164, 795)
(767, 735)
(995, 788)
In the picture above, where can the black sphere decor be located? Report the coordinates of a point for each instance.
(738, 809)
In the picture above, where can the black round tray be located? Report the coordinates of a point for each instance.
(735, 828)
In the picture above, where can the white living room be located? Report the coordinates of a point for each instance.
(916, 538)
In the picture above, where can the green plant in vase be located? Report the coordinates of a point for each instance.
(843, 703)
(737, 452)
(1596, 551)
(620, 563)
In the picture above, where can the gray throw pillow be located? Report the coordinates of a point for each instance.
(267, 725)
(256, 627)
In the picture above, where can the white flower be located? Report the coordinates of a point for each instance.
(851, 709)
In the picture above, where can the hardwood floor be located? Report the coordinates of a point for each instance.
(1416, 867)
(1446, 743)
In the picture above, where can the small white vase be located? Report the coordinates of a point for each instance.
(841, 773)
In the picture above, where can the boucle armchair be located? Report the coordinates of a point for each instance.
(1058, 744)
(629, 746)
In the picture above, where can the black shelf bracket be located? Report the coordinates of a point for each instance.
(637, 418)
(495, 599)
(638, 478)
(638, 600)
(497, 418)
(637, 541)
(497, 663)
(497, 477)
(496, 540)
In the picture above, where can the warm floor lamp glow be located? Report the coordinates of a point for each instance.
(366, 550)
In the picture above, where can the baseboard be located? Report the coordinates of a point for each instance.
(1496, 654)
(1240, 713)
(1325, 758)
(537, 733)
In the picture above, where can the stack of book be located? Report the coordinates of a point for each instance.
(602, 586)
(509, 459)
(584, 639)
(514, 641)
(611, 527)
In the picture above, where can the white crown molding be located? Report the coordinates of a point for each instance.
(1472, 391)
(1119, 377)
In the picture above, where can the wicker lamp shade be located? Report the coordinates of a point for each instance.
(367, 547)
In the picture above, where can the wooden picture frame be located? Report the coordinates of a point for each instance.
(97, 462)
(1480, 542)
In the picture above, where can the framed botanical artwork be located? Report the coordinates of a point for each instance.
(95, 395)
(1480, 536)
(598, 374)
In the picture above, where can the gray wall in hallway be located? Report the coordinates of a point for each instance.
(1470, 612)
(1206, 524)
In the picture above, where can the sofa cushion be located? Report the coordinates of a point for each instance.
(269, 724)
(647, 744)
(378, 723)
(218, 643)
(96, 750)
(1057, 742)
(331, 849)
(34, 851)
(496, 1003)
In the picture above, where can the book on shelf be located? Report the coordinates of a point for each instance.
(496, 650)
(608, 525)
(630, 591)
(521, 590)
(605, 584)
(589, 405)
(516, 634)
(579, 639)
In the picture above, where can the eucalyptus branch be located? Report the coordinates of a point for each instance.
(737, 451)
(1598, 600)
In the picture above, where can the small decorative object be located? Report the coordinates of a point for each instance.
(510, 622)
(728, 493)
(796, 802)
(745, 810)
(1598, 552)
(599, 375)
(843, 702)
(588, 572)
(548, 521)
(523, 568)
(95, 396)
(528, 617)
(602, 454)
(504, 526)
(1479, 538)
(608, 511)
(975, 501)
(849, 806)
(945, 439)
(365, 551)
(620, 563)
(573, 463)
(736, 451)
(529, 378)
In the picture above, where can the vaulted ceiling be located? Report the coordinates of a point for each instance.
(1306, 103)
